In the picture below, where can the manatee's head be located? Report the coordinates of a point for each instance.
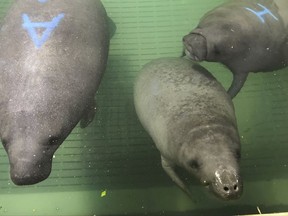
(214, 159)
(217, 42)
(30, 159)
(30, 145)
(221, 36)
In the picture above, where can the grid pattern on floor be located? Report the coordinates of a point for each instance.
(114, 151)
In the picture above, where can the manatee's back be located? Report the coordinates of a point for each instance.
(173, 96)
(282, 10)
(53, 56)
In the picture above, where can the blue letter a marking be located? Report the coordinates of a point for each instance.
(48, 26)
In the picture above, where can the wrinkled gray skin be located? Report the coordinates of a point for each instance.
(45, 92)
(237, 37)
(191, 119)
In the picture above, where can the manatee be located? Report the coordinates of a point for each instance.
(246, 36)
(53, 55)
(191, 120)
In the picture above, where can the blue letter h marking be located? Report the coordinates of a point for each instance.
(260, 14)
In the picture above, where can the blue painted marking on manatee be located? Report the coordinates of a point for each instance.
(260, 14)
(49, 27)
(42, 1)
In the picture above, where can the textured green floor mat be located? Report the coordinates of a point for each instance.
(114, 154)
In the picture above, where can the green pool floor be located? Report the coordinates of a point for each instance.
(115, 155)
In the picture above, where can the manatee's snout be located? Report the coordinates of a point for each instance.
(27, 171)
(227, 184)
(29, 165)
(195, 46)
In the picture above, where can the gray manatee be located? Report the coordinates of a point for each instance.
(53, 55)
(191, 119)
(246, 36)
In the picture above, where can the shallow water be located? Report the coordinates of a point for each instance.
(114, 154)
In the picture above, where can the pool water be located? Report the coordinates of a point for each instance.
(113, 168)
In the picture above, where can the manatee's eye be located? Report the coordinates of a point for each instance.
(227, 27)
(4, 142)
(194, 164)
(53, 140)
(216, 51)
(238, 154)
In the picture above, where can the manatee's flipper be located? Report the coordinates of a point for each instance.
(183, 53)
(89, 114)
(170, 170)
(112, 27)
(237, 83)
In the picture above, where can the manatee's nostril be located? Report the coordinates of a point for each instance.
(228, 189)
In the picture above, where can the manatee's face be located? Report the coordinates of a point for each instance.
(223, 179)
(214, 160)
(30, 145)
(220, 41)
(30, 159)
